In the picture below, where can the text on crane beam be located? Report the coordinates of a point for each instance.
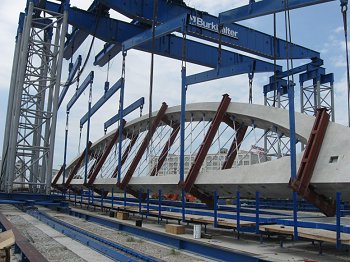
(199, 22)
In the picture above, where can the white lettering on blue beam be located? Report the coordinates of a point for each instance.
(199, 22)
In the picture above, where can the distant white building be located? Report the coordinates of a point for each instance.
(212, 162)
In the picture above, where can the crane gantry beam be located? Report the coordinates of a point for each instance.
(205, 26)
(261, 8)
(116, 32)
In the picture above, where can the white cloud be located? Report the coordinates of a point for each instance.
(215, 7)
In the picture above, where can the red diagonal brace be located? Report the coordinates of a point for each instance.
(204, 148)
(188, 185)
(143, 147)
(94, 165)
(236, 144)
(228, 121)
(77, 165)
(302, 183)
(126, 154)
(164, 154)
(105, 155)
(54, 182)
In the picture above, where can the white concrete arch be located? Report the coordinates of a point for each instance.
(269, 178)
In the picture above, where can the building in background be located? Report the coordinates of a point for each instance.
(212, 162)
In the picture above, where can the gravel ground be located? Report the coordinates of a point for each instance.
(162, 253)
(51, 249)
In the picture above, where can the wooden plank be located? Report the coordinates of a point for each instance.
(308, 233)
(7, 239)
(205, 219)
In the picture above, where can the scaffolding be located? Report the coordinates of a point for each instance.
(276, 144)
(33, 102)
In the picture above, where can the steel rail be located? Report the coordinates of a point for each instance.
(29, 252)
(111, 249)
(211, 251)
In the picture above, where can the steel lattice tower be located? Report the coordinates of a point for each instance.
(318, 94)
(276, 144)
(33, 102)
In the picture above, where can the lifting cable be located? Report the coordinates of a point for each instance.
(107, 80)
(154, 23)
(88, 134)
(221, 26)
(97, 16)
(344, 9)
(183, 61)
(81, 129)
(251, 77)
(290, 65)
(66, 128)
(120, 101)
(106, 87)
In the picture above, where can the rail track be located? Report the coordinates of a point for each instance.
(109, 248)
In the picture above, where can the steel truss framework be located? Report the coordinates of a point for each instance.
(318, 94)
(33, 102)
(276, 144)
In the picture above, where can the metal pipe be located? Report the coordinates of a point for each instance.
(182, 124)
(292, 142)
(318, 85)
(238, 210)
(147, 214)
(125, 197)
(65, 149)
(332, 102)
(49, 104)
(140, 202)
(257, 212)
(159, 205)
(302, 109)
(112, 197)
(215, 209)
(56, 98)
(22, 65)
(338, 217)
(37, 134)
(88, 136)
(10, 106)
(121, 126)
(182, 138)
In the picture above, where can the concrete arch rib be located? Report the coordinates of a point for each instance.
(270, 178)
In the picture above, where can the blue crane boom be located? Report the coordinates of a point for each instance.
(116, 32)
(266, 7)
(107, 95)
(205, 26)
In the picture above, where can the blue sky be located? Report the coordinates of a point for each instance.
(318, 27)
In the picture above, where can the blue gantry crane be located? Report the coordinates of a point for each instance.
(159, 27)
